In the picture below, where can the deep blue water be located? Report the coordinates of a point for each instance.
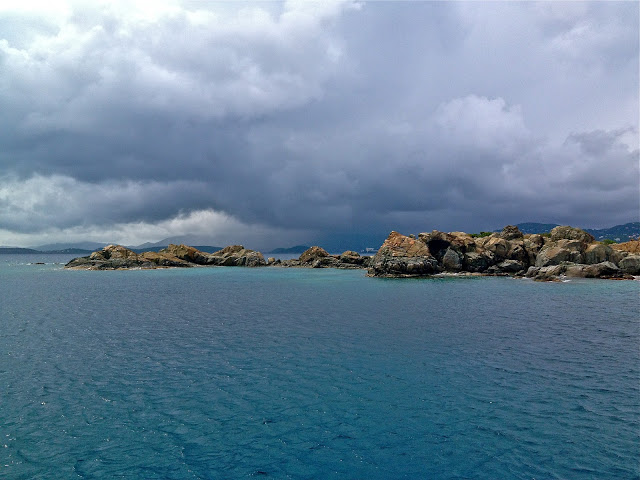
(215, 373)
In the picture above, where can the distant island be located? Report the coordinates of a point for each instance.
(563, 252)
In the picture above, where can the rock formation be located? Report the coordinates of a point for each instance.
(117, 257)
(317, 257)
(566, 251)
(401, 256)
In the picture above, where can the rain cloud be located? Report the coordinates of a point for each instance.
(272, 124)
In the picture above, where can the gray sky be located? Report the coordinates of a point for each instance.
(271, 124)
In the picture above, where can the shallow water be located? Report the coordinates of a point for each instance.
(296, 373)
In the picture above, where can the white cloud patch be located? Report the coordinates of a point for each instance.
(103, 57)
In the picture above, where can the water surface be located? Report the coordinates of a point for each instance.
(210, 373)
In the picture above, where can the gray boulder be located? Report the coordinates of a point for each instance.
(237, 256)
(477, 262)
(597, 253)
(565, 232)
(630, 264)
(451, 260)
(557, 252)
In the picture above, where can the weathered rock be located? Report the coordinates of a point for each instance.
(577, 270)
(402, 256)
(532, 244)
(351, 258)
(632, 246)
(452, 261)
(438, 242)
(597, 253)
(162, 260)
(602, 270)
(497, 246)
(190, 254)
(507, 266)
(511, 232)
(630, 264)
(556, 252)
(477, 262)
(549, 273)
(330, 261)
(598, 270)
(313, 253)
(117, 257)
(571, 233)
(237, 256)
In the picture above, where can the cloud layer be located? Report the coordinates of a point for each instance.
(276, 121)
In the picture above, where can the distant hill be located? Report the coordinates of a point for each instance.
(64, 251)
(77, 247)
(536, 227)
(619, 233)
(73, 251)
(17, 250)
(295, 249)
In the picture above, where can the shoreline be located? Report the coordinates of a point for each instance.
(566, 252)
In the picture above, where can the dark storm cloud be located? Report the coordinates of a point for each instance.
(320, 116)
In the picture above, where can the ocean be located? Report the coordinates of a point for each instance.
(229, 373)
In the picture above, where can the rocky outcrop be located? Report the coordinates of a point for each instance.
(571, 233)
(117, 257)
(312, 254)
(554, 272)
(317, 257)
(231, 256)
(632, 246)
(188, 254)
(566, 251)
(237, 256)
(402, 256)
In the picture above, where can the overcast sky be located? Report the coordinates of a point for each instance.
(272, 124)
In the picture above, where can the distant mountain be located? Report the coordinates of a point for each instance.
(295, 249)
(188, 239)
(619, 233)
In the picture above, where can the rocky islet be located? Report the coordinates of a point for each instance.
(564, 252)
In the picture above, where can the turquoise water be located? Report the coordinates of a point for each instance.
(292, 373)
